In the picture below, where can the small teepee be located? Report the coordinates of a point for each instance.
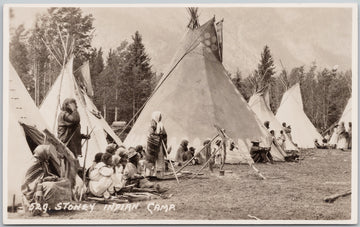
(291, 112)
(64, 87)
(346, 118)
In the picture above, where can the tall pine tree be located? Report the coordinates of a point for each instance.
(19, 57)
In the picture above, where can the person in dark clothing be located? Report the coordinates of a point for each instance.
(181, 151)
(350, 136)
(260, 154)
(69, 129)
(189, 154)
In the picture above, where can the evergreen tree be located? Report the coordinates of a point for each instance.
(138, 75)
(265, 70)
(18, 55)
(74, 27)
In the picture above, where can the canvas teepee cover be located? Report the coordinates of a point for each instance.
(195, 94)
(291, 112)
(21, 109)
(346, 118)
(262, 109)
(64, 87)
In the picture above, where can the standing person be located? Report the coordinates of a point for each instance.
(155, 150)
(207, 145)
(342, 137)
(350, 136)
(69, 129)
(281, 140)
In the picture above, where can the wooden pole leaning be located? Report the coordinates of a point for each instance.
(212, 155)
(188, 162)
(172, 166)
(84, 172)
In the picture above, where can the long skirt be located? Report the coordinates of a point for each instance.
(53, 192)
(160, 163)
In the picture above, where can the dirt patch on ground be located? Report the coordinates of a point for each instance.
(293, 191)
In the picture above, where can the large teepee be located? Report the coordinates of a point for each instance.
(25, 130)
(195, 94)
(262, 109)
(346, 118)
(291, 112)
(64, 87)
(21, 109)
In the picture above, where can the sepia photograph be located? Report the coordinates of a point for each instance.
(180, 114)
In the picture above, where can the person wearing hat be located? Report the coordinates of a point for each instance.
(260, 154)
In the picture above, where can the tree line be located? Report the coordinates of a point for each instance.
(124, 80)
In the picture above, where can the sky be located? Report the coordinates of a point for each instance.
(296, 36)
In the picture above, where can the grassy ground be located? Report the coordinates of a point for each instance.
(293, 191)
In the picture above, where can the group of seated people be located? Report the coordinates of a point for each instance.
(184, 154)
(116, 168)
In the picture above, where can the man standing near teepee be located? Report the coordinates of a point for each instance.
(69, 127)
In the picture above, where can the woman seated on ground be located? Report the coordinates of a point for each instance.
(260, 154)
(131, 173)
(188, 155)
(97, 159)
(101, 183)
(180, 152)
(41, 186)
(119, 162)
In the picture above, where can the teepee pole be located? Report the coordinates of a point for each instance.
(212, 155)
(172, 166)
(84, 169)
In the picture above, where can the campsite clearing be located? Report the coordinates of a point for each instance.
(292, 191)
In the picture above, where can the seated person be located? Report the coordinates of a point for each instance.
(41, 186)
(111, 148)
(260, 154)
(189, 154)
(119, 163)
(318, 146)
(131, 173)
(180, 152)
(97, 159)
(101, 183)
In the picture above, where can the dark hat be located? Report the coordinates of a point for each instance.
(255, 141)
(131, 152)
